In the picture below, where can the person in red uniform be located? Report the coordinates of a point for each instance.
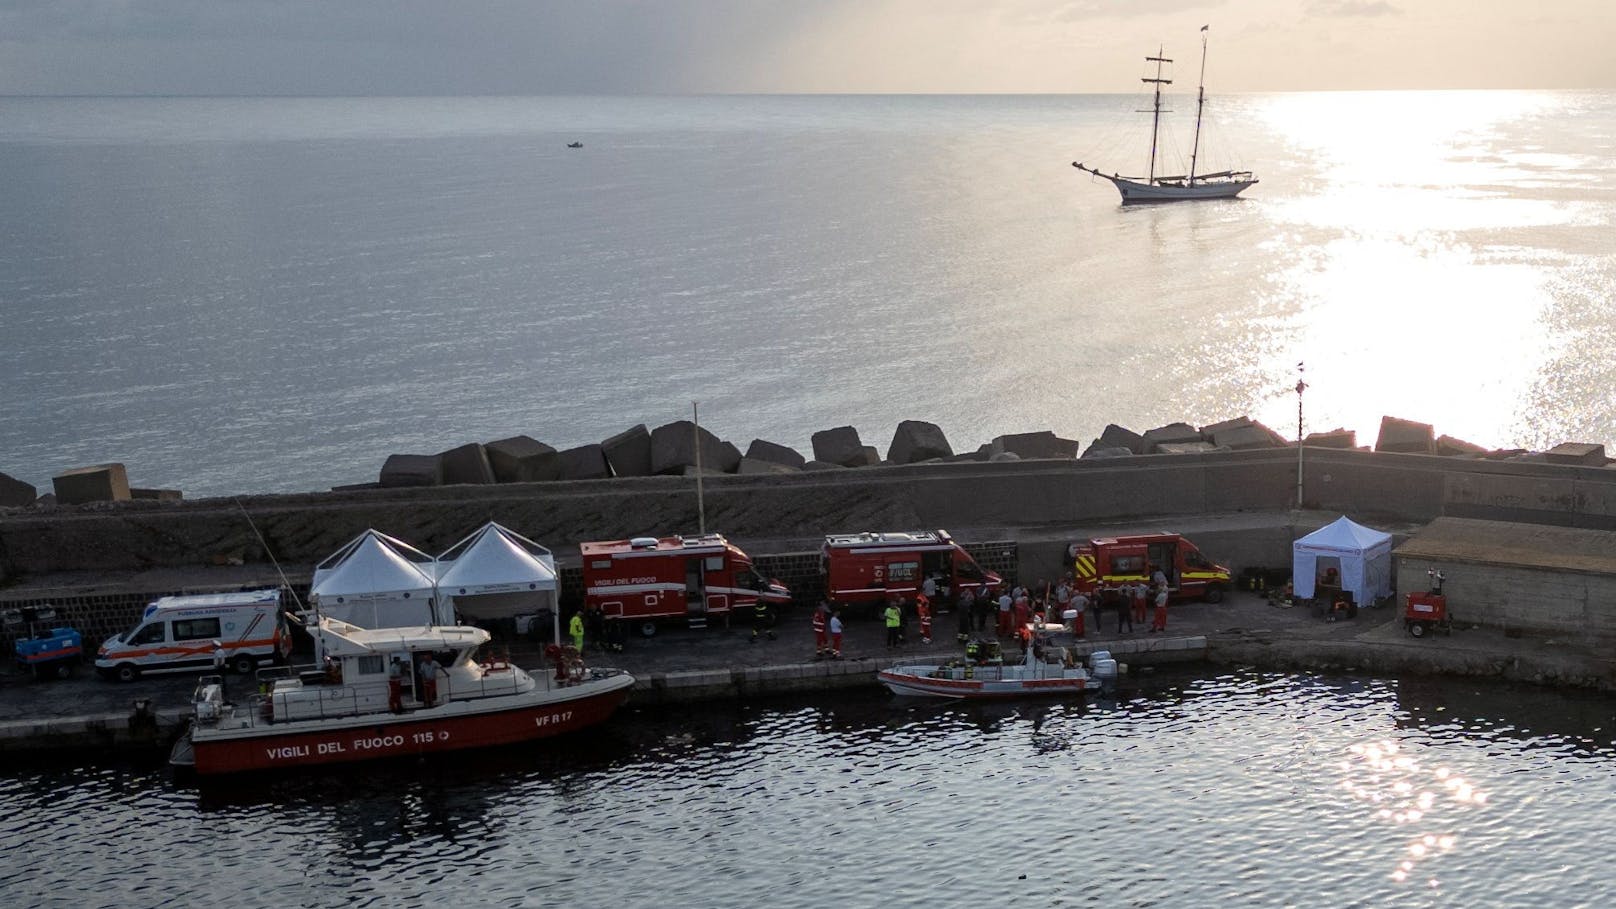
(1080, 605)
(1139, 590)
(923, 610)
(395, 687)
(1159, 623)
(821, 620)
(835, 635)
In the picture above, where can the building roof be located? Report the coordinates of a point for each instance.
(1520, 545)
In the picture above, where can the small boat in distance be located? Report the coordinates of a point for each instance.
(1043, 671)
(1152, 188)
(391, 692)
(575, 145)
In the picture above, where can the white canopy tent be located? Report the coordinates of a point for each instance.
(1365, 556)
(376, 581)
(496, 573)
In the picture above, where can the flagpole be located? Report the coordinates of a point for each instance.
(701, 506)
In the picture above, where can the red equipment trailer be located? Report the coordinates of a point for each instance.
(1428, 611)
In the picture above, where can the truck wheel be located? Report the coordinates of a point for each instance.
(647, 629)
(126, 672)
(1417, 629)
(1214, 595)
(243, 664)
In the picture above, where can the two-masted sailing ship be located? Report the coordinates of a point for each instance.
(1162, 188)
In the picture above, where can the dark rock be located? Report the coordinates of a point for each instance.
(14, 493)
(586, 462)
(1210, 430)
(48, 500)
(822, 465)
(1335, 438)
(1095, 451)
(1448, 446)
(156, 495)
(915, 441)
(1586, 454)
(756, 466)
(523, 459)
(1116, 436)
(731, 458)
(1171, 434)
(629, 452)
(760, 450)
(673, 448)
(1252, 435)
(1027, 445)
(1405, 436)
(467, 464)
(412, 470)
(871, 457)
(839, 446)
(101, 483)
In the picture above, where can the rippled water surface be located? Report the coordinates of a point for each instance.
(248, 295)
(1238, 790)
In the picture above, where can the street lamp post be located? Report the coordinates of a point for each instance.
(1300, 387)
(701, 505)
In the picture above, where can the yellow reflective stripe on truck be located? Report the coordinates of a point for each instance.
(1085, 566)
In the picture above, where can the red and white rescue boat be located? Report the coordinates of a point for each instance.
(1045, 671)
(373, 699)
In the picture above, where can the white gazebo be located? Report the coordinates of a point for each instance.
(497, 573)
(376, 581)
(1363, 554)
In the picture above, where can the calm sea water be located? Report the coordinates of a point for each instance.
(241, 295)
(1244, 789)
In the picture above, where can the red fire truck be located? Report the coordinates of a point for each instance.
(647, 578)
(870, 567)
(1101, 564)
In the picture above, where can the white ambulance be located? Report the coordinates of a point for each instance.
(181, 633)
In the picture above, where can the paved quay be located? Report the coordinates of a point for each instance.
(691, 665)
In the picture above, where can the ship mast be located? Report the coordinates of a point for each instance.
(1200, 102)
(1155, 123)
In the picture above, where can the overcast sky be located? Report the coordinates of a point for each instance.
(414, 47)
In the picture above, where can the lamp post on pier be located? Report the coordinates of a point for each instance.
(1301, 386)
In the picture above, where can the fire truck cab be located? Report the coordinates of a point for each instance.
(871, 567)
(645, 579)
(1103, 563)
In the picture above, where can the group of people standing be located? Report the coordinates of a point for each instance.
(1012, 607)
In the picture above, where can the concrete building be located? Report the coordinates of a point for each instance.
(1560, 580)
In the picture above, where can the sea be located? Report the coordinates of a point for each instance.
(1184, 789)
(247, 295)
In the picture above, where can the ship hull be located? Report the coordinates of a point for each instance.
(452, 727)
(1136, 193)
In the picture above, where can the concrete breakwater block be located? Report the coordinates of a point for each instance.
(629, 452)
(1448, 446)
(411, 470)
(1586, 454)
(523, 459)
(822, 465)
(917, 440)
(1335, 438)
(1183, 448)
(1095, 452)
(753, 466)
(586, 462)
(467, 464)
(1115, 436)
(761, 450)
(156, 495)
(1171, 434)
(101, 483)
(1244, 438)
(1405, 436)
(1030, 445)
(14, 493)
(839, 446)
(673, 448)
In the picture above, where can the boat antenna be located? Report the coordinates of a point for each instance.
(1155, 122)
(1200, 102)
(285, 584)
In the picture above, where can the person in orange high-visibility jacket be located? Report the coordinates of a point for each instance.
(821, 620)
(923, 610)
